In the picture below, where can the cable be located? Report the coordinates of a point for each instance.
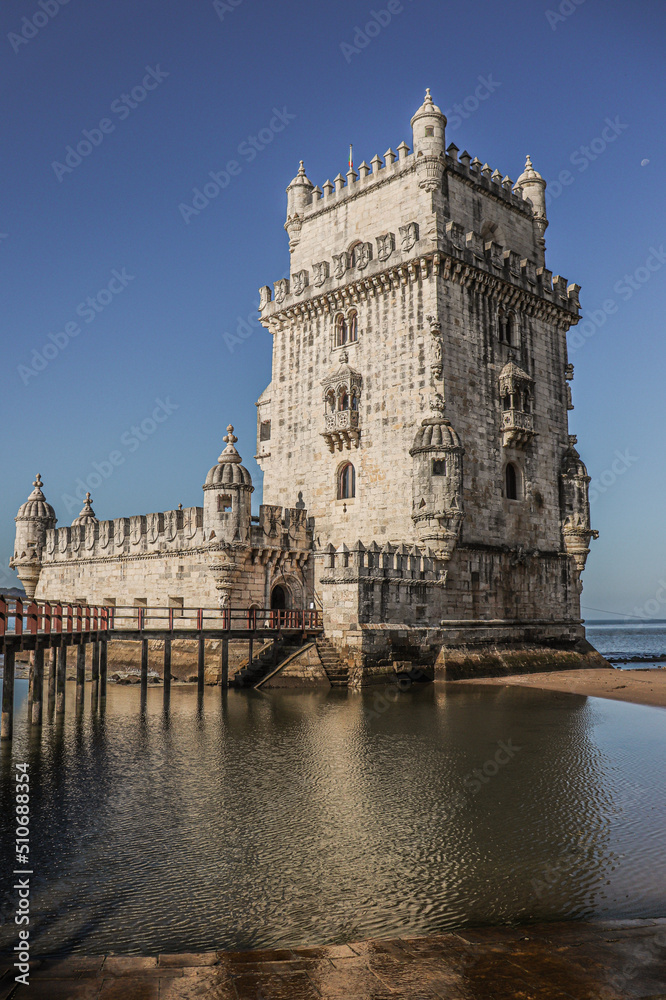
(618, 614)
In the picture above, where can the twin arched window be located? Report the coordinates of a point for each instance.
(344, 400)
(346, 482)
(346, 328)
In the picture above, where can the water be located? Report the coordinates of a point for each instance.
(617, 641)
(304, 818)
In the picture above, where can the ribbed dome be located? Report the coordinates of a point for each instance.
(87, 515)
(427, 108)
(435, 432)
(228, 475)
(36, 505)
(572, 464)
(301, 179)
(229, 471)
(528, 174)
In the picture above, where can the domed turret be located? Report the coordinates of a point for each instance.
(299, 196)
(227, 492)
(33, 520)
(532, 187)
(428, 131)
(437, 504)
(87, 515)
(575, 506)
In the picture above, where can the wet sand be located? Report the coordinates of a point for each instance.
(643, 687)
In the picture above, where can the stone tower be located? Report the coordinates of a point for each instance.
(423, 278)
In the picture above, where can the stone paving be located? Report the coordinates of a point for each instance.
(623, 960)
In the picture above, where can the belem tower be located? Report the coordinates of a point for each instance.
(420, 482)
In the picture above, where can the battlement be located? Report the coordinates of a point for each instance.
(375, 255)
(399, 563)
(171, 530)
(394, 165)
(137, 535)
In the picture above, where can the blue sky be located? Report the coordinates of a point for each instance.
(166, 290)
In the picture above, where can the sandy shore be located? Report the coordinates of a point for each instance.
(643, 687)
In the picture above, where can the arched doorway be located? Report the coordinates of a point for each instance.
(278, 598)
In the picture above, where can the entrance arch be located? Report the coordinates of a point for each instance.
(279, 598)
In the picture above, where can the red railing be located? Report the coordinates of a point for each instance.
(18, 617)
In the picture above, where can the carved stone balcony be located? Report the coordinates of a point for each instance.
(517, 428)
(342, 429)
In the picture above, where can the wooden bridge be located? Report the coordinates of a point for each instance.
(39, 626)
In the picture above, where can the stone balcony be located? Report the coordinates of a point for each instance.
(342, 429)
(517, 428)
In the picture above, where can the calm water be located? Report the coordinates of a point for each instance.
(619, 640)
(286, 819)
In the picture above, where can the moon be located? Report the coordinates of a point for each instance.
(644, 163)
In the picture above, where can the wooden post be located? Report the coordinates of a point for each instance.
(95, 668)
(37, 687)
(249, 660)
(80, 673)
(61, 677)
(7, 726)
(102, 669)
(144, 667)
(52, 673)
(167, 670)
(224, 680)
(201, 665)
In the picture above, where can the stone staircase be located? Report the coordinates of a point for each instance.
(263, 663)
(336, 672)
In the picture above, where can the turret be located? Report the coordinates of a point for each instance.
(33, 520)
(437, 482)
(532, 188)
(227, 497)
(428, 131)
(575, 506)
(299, 196)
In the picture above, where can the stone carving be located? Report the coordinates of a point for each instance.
(321, 272)
(385, 246)
(281, 290)
(340, 264)
(409, 235)
(362, 255)
(299, 282)
(437, 364)
(265, 296)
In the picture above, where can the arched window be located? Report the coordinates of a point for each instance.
(340, 330)
(352, 326)
(511, 477)
(330, 401)
(505, 328)
(509, 329)
(344, 401)
(506, 401)
(354, 402)
(346, 482)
